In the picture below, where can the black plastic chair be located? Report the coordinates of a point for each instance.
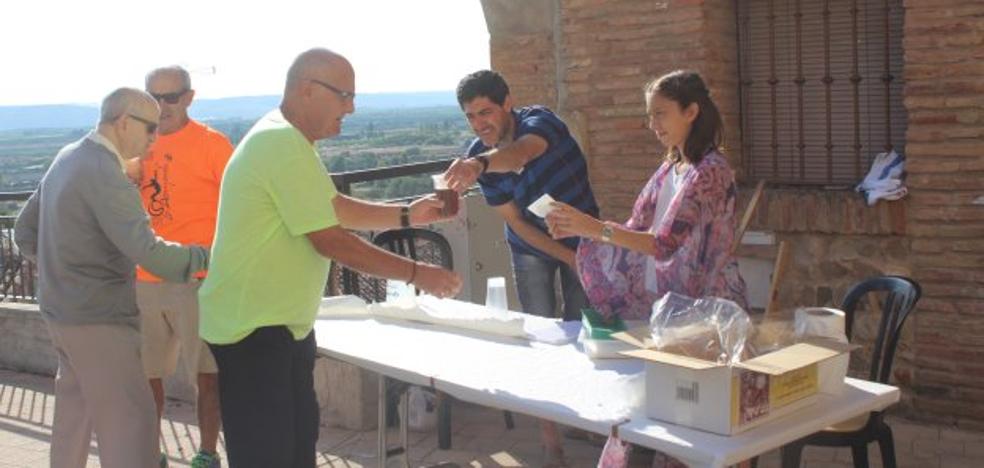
(902, 295)
(346, 281)
(419, 244)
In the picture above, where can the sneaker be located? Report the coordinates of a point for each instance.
(205, 460)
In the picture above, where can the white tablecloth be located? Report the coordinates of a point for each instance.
(562, 384)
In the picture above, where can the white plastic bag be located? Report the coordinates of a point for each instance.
(884, 179)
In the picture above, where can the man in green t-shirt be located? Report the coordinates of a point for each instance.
(280, 224)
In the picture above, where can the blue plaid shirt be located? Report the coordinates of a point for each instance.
(560, 171)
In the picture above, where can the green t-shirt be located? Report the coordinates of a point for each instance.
(264, 271)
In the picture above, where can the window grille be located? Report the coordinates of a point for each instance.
(820, 88)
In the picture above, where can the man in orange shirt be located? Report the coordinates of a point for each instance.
(179, 184)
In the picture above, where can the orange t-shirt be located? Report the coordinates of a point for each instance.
(180, 185)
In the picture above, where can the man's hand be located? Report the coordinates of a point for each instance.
(427, 210)
(437, 281)
(566, 221)
(134, 170)
(463, 173)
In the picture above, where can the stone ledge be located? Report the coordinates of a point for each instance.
(26, 345)
(346, 393)
(812, 211)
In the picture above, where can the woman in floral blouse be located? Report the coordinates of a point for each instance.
(683, 224)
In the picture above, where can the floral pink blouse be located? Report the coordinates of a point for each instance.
(690, 251)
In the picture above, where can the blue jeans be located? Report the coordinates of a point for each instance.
(535, 278)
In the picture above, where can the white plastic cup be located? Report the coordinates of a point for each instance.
(399, 291)
(439, 182)
(495, 295)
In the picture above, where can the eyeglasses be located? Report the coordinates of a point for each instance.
(170, 98)
(150, 124)
(342, 94)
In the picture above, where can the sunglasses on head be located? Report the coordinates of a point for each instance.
(170, 98)
(150, 124)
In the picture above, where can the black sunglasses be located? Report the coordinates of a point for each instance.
(151, 125)
(170, 98)
(340, 93)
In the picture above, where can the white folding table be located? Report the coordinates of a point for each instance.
(560, 383)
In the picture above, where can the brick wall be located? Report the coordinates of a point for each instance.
(592, 63)
(589, 61)
(835, 240)
(522, 42)
(944, 95)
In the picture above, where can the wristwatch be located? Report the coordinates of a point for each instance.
(607, 232)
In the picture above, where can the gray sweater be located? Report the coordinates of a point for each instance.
(86, 228)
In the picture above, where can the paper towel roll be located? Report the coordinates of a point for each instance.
(825, 322)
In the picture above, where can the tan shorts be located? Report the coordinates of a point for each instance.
(169, 325)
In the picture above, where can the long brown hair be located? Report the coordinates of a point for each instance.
(706, 131)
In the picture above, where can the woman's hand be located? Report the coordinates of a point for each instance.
(566, 221)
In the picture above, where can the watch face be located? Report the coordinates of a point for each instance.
(606, 233)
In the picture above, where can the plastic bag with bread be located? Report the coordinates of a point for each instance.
(710, 328)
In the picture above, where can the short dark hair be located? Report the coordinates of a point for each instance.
(483, 83)
(707, 130)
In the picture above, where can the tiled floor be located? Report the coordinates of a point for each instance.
(480, 438)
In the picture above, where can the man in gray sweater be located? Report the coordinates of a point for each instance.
(86, 228)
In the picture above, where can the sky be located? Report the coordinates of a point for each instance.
(70, 51)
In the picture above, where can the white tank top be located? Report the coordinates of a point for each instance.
(671, 186)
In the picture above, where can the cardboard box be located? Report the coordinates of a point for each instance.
(730, 399)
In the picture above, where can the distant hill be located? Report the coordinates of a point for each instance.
(246, 107)
(49, 116)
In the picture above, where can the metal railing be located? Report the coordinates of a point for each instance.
(344, 180)
(18, 276)
(15, 196)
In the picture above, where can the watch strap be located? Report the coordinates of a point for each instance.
(405, 216)
(607, 232)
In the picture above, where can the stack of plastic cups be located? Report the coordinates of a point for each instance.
(495, 297)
